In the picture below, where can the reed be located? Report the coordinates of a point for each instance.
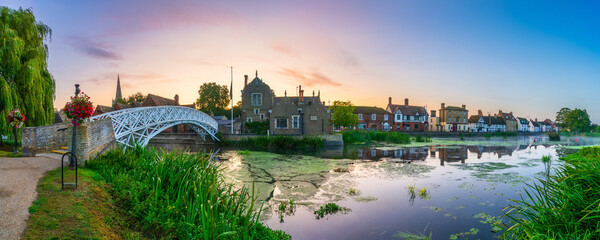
(565, 206)
(174, 195)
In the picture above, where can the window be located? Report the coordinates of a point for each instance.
(373, 116)
(449, 119)
(281, 123)
(398, 117)
(385, 117)
(296, 121)
(362, 126)
(256, 111)
(257, 99)
(373, 152)
(262, 116)
(360, 116)
(249, 119)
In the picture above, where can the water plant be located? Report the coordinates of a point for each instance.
(564, 206)
(423, 194)
(360, 136)
(243, 152)
(353, 191)
(329, 209)
(281, 143)
(420, 138)
(181, 196)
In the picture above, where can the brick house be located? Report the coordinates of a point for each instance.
(287, 115)
(408, 118)
(373, 118)
(454, 119)
(509, 120)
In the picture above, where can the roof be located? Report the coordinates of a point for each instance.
(219, 118)
(454, 108)
(160, 101)
(523, 120)
(369, 110)
(474, 118)
(278, 100)
(136, 104)
(105, 109)
(535, 124)
(493, 120)
(123, 105)
(507, 116)
(409, 110)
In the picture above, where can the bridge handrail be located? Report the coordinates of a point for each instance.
(114, 114)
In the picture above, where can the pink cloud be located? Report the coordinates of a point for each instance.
(308, 79)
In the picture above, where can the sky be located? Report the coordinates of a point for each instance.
(527, 57)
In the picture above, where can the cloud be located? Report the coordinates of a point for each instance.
(308, 79)
(284, 50)
(93, 49)
(129, 80)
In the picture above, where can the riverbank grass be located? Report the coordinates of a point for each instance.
(87, 212)
(361, 136)
(565, 206)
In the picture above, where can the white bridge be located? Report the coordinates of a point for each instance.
(136, 126)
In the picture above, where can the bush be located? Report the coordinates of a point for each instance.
(566, 206)
(281, 142)
(259, 128)
(179, 196)
(554, 136)
(360, 136)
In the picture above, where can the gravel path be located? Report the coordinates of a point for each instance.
(19, 178)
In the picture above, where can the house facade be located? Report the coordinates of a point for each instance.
(550, 126)
(535, 126)
(523, 124)
(293, 115)
(509, 120)
(479, 123)
(373, 118)
(434, 122)
(454, 119)
(408, 118)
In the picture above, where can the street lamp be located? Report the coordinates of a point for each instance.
(15, 135)
(74, 142)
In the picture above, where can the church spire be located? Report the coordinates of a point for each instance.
(118, 95)
(256, 73)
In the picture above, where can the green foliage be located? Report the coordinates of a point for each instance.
(259, 127)
(330, 209)
(554, 136)
(353, 191)
(361, 136)
(24, 76)
(420, 138)
(342, 114)
(180, 196)
(565, 206)
(136, 97)
(281, 143)
(213, 98)
(578, 120)
(560, 117)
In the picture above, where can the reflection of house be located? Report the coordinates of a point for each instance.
(498, 150)
(420, 153)
(408, 118)
(454, 119)
(373, 118)
(286, 115)
(523, 124)
(453, 154)
(509, 120)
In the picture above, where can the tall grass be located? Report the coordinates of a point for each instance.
(359, 136)
(281, 143)
(173, 195)
(565, 206)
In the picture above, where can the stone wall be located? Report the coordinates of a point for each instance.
(44, 138)
(92, 137)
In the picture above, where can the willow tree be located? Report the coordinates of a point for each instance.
(24, 77)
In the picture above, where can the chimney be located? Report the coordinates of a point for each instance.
(323, 103)
(432, 113)
(245, 80)
(406, 101)
(510, 113)
(443, 106)
(177, 99)
(301, 93)
(390, 101)
(464, 106)
(479, 112)
(499, 111)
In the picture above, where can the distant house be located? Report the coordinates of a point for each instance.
(101, 109)
(479, 123)
(535, 126)
(454, 119)
(408, 118)
(373, 118)
(523, 124)
(549, 126)
(294, 115)
(434, 122)
(153, 100)
(509, 120)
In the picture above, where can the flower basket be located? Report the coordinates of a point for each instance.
(16, 118)
(79, 109)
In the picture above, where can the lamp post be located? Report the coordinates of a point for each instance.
(74, 142)
(15, 135)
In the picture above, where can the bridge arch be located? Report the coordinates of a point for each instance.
(136, 126)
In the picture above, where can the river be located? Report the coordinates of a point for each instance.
(444, 189)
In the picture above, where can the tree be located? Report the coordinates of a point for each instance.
(213, 98)
(560, 117)
(342, 114)
(137, 97)
(578, 120)
(24, 77)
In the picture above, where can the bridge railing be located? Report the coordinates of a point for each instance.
(115, 114)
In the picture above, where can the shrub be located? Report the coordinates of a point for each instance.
(259, 128)
(283, 143)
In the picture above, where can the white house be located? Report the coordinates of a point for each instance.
(522, 124)
(478, 123)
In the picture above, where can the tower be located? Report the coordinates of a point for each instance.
(118, 95)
